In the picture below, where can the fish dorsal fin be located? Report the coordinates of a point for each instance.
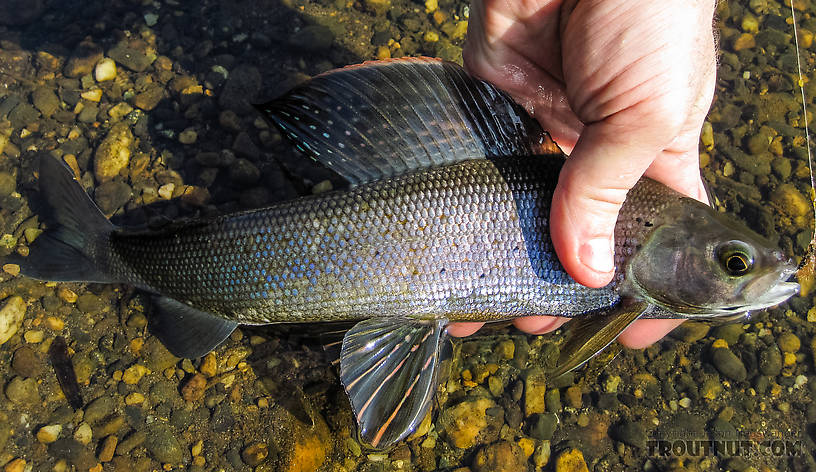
(589, 335)
(389, 368)
(384, 118)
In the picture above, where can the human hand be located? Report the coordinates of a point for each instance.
(623, 86)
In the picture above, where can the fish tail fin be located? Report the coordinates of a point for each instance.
(75, 242)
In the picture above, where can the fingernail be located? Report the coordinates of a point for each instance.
(597, 255)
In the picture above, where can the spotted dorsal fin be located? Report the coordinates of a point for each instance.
(385, 118)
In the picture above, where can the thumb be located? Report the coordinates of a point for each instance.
(605, 163)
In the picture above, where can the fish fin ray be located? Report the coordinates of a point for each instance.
(389, 368)
(185, 331)
(77, 230)
(589, 335)
(381, 119)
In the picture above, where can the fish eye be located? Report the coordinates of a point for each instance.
(735, 258)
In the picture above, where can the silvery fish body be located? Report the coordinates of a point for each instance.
(466, 241)
(446, 219)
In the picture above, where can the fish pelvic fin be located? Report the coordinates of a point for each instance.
(389, 368)
(589, 335)
(71, 249)
(185, 331)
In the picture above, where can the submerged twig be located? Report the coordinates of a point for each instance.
(64, 369)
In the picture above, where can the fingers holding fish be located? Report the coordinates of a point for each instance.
(644, 333)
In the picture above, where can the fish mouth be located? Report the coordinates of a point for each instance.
(776, 294)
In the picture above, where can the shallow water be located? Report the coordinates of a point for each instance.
(268, 399)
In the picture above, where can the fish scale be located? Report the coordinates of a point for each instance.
(467, 241)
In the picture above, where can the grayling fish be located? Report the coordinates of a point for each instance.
(446, 220)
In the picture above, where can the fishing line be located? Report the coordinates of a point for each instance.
(808, 263)
(801, 83)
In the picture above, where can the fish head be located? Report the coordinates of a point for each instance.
(701, 263)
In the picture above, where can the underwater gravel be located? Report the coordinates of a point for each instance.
(150, 104)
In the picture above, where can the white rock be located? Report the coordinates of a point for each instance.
(11, 317)
(50, 433)
(83, 434)
(105, 70)
(151, 19)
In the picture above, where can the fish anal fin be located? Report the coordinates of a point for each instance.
(187, 332)
(389, 368)
(589, 335)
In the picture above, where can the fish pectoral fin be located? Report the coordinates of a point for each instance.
(389, 368)
(589, 335)
(185, 331)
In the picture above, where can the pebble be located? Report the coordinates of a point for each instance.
(308, 450)
(93, 95)
(244, 146)
(108, 448)
(255, 454)
(22, 391)
(134, 398)
(8, 184)
(26, 362)
(105, 70)
(113, 153)
(788, 198)
(711, 389)
(188, 136)
(243, 83)
(49, 433)
(83, 434)
(157, 356)
(506, 349)
(243, 172)
(543, 426)
(17, 465)
(503, 456)
(149, 98)
(691, 331)
(134, 440)
(744, 41)
(312, 38)
(574, 397)
(112, 195)
(45, 100)
(83, 60)
(788, 342)
(99, 409)
(34, 336)
(134, 59)
(11, 269)
(209, 365)
(11, 317)
(193, 390)
(119, 111)
(535, 386)
(571, 460)
(728, 364)
(163, 444)
(629, 432)
(90, 303)
(730, 332)
(230, 120)
(464, 422)
(770, 361)
(166, 190)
